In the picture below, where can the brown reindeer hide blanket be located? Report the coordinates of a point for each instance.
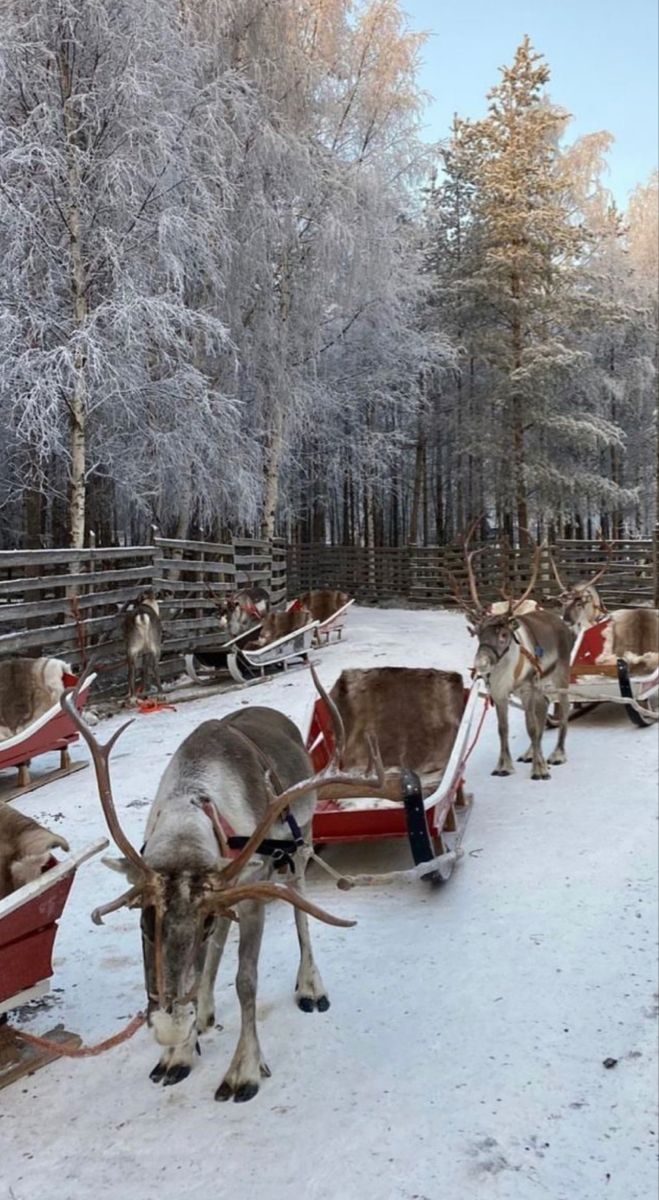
(413, 713)
(633, 634)
(28, 688)
(25, 849)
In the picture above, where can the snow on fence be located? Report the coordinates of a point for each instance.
(429, 574)
(66, 602)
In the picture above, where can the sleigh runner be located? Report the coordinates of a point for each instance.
(424, 746)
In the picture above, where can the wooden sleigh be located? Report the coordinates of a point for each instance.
(29, 920)
(429, 810)
(52, 731)
(247, 666)
(598, 680)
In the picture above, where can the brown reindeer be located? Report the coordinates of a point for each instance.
(526, 654)
(240, 611)
(142, 632)
(632, 634)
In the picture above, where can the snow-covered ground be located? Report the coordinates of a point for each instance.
(463, 1053)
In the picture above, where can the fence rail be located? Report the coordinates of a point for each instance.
(434, 574)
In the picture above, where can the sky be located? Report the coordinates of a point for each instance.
(603, 57)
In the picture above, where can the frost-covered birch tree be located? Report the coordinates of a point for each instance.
(112, 189)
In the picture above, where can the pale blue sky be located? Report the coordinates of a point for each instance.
(603, 58)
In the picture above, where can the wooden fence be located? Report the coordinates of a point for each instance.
(432, 574)
(66, 602)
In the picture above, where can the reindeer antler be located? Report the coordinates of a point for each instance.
(100, 757)
(469, 561)
(561, 583)
(537, 556)
(608, 548)
(224, 897)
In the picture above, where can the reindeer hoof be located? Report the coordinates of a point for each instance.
(498, 772)
(158, 1071)
(246, 1091)
(176, 1074)
(309, 1004)
(536, 776)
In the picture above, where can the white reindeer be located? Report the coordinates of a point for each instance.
(249, 771)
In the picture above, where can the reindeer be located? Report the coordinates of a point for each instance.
(632, 633)
(240, 611)
(251, 772)
(142, 632)
(581, 605)
(523, 653)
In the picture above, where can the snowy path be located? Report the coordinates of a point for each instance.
(462, 1055)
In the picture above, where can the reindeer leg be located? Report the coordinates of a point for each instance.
(206, 1001)
(505, 763)
(146, 673)
(243, 1078)
(155, 667)
(309, 987)
(131, 679)
(536, 706)
(559, 756)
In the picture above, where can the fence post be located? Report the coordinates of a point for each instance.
(655, 564)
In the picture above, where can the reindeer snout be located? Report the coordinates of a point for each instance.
(174, 1025)
(483, 664)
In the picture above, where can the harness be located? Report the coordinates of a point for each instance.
(534, 657)
(280, 850)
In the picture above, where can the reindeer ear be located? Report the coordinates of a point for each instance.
(124, 867)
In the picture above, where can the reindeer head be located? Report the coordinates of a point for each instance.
(181, 900)
(581, 605)
(495, 630)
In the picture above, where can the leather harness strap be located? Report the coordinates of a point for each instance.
(534, 660)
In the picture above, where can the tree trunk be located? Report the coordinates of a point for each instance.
(78, 398)
(521, 503)
(272, 466)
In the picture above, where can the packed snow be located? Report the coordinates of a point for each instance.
(463, 1053)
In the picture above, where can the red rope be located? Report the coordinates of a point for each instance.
(153, 706)
(487, 704)
(82, 1051)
